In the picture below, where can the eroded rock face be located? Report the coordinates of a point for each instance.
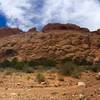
(9, 31)
(57, 26)
(60, 43)
(32, 29)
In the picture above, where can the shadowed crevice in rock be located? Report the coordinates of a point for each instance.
(9, 53)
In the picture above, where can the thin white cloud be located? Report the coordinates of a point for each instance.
(28, 13)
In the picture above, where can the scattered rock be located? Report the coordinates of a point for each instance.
(54, 93)
(97, 91)
(43, 83)
(14, 94)
(18, 83)
(1, 82)
(57, 84)
(60, 77)
(64, 94)
(52, 98)
(31, 86)
(98, 76)
(81, 97)
(82, 84)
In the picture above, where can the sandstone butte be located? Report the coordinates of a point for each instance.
(56, 41)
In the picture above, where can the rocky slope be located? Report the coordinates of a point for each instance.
(9, 31)
(56, 41)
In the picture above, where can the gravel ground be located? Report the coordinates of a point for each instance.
(22, 86)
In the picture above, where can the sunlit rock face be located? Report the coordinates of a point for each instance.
(9, 31)
(32, 29)
(57, 41)
(58, 26)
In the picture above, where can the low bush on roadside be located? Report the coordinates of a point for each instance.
(70, 69)
(40, 77)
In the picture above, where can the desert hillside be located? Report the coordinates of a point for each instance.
(56, 41)
(62, 62)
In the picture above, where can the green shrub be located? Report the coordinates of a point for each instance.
(70, 69)
(19, 65)
(28, 69)
(32, 63)
(66, 66)
(47, 62)
(40, 77)
(81, 62)
(76, 74)
(94, 68)
(5, 63)
(14, 62)
(67, 59)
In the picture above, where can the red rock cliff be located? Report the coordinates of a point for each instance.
(9, 31)
(59, 41)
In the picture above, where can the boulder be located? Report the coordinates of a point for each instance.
(81, 84)
(98, 76)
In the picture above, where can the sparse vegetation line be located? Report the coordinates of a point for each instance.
(65, 67)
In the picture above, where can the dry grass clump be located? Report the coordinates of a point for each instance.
(40, 77)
